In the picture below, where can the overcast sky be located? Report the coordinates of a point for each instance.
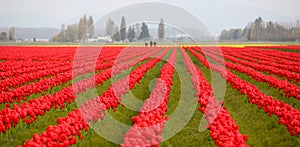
(215, 14)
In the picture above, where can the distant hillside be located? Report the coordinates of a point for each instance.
(28, 33)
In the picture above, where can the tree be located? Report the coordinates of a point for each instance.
(11, 34)
(131, 33)
(56, 38)
(116, 36)
(90, 24)
(137, 30)
(3, 36)
(84, 21)
(256, 29)
(71, 33)
(161, 29)
(123, 29)
(110, 27)
(145, 31)
(297, 35)
(62, 33)
(80, 29)
(270, 31)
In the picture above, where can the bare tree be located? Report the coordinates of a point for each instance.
(71, 33)
(90, 27)
(62, 33)
(110, 27)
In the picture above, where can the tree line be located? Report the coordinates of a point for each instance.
(83, 30)
(260, 30)
(133, 33)
(10, 36)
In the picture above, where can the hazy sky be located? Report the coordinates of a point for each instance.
(215, 14)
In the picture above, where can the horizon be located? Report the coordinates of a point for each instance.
(51, 14)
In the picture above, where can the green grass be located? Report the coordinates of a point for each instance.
(287, 50)
(183, 101)
(141, 92)
(261, 129)
(265, 88)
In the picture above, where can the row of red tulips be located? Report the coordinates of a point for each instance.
(50, 69)
(262, 59)
(40, 105)
(32, 67)
(94, 109)
(91, 110)
(280, 54)
(88, 66)
(254, 53)
(148, 125)
(36, 53)
(290, 90)
(223, 129)
(262, 55)
(286, 114)
(16, 81)
(20, 93)
(117, 68)
(17, 67)
(264, 68)
(289, 47)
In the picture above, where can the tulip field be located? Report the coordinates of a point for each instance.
(66, 95)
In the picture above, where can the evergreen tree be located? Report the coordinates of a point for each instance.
(116, 36)
(145, 32)
(131, 34)
(161, 29)
(123, 29)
